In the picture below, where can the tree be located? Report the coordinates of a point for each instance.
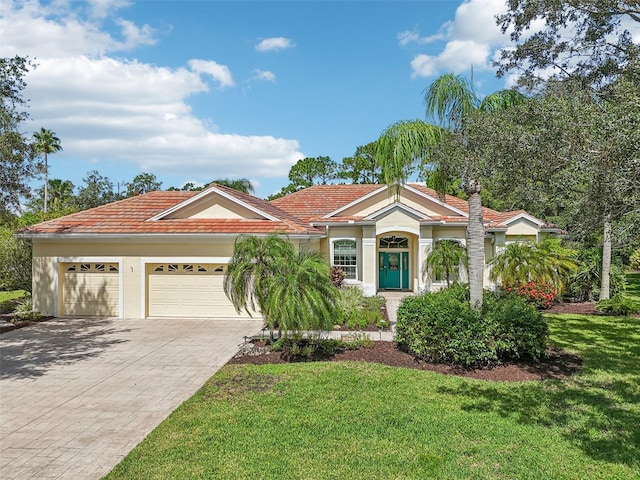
(46, 142)
(584, 39)
(444, 260)
(363, 167)
(15, 258)
(306, 173)
(301, 295)
(143, 183)
(544, 262)
(98, 190)
(292, 291)
(579, 149)
(241, 184)
(450, 100)
(61, 197)
(18, 163)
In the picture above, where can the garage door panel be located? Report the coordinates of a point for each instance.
(90, 289)
(196, 293)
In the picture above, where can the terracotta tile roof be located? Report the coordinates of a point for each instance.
(293, 213)
(131, 216)
(319, 200)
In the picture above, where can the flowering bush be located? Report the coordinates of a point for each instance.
(540, 294)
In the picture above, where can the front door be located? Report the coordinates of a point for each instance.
(393, 270)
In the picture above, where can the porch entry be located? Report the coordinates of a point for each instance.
(393, 266)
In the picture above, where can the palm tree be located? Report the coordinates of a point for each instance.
(292, 290)
(241, 184)
(545, 262)
(444, 258)
(46, 142)
(302, 296)
(254, 262)
(450, 101)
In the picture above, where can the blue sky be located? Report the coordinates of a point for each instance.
(197, 90)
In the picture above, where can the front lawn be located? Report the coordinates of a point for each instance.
(633, 285)
(13, 295)
(355, 420)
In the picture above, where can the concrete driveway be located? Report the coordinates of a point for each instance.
(76, 395)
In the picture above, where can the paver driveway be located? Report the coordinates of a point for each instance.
(76, 395)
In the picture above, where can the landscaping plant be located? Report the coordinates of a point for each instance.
(441, 327)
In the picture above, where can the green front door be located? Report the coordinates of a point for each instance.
(393, 270)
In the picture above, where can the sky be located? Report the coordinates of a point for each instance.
(192, 91)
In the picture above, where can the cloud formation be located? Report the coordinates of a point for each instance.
(106, 108)
(274, 44)
(472, 39)
(264, 75)
(221, 73)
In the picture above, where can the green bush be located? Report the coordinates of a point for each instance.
(519, 328)
(634, 260)
(357, 311)
(442, 327)
(7, 306)
(25, 312)
(619, 305)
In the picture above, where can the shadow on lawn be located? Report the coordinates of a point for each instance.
(597, 410)
(31, 351)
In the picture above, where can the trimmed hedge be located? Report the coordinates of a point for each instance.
(442, 327)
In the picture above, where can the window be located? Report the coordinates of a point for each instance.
(394, 242)
(345, 256)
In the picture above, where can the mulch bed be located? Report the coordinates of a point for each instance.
(558, 364)
(583, 308)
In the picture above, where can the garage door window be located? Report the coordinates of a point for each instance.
(189, 268)
(92, 267)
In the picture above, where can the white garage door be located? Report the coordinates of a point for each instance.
(187, 290)
(90, 289)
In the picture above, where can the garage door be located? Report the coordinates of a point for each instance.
(187, 290)
(90, 289)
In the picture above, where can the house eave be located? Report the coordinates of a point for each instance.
(151, 237)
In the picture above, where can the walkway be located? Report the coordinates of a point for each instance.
(76, 395)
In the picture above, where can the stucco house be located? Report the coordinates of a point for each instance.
(164, 254)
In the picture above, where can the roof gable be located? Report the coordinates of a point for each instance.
(420, 202)
(214, 203)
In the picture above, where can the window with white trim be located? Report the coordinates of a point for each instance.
(345, 256)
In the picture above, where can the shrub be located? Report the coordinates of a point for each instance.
(25, 312)
(619, 305)
(634, 260)
(357, 311)
(540, 294)
(7, 306)
(519, 328)
(442, 327)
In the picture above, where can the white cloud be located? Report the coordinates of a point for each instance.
(134, 112)
(413, 36)
(264, 75)
(108, 109)
(472, 39)
(274, 44)
(219, 72)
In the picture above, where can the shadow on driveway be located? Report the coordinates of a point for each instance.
(32, 351)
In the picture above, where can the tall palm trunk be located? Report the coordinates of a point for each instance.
(46, 183)
(475, 244)
(606, 259)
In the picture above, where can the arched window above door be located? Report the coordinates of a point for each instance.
(392, 241)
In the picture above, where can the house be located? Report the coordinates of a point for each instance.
(164, 253)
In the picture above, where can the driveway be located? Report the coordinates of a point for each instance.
(76, 395)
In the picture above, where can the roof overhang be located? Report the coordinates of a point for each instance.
(153, 237)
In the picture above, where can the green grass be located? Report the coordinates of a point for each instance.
(633, 285)
(350, 420)
(12, 295)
